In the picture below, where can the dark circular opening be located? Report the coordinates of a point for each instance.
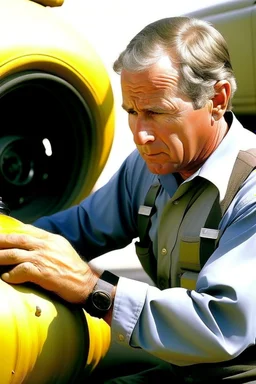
(45, 144)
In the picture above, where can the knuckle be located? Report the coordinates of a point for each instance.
(12, 254)
(23, 240)
(17, 239)
(25, 268)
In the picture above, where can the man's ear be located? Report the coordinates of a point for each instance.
(221, 99)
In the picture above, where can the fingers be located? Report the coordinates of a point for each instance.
(19, 274)
(13, 256)
(13, 240)
(45, 259)
(28, 240)
(9, 233)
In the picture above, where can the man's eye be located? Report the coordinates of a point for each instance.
(153, 113)
(131, 112)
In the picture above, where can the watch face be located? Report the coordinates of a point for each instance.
(101, 300)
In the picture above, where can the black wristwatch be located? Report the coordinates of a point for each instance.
(100, 300)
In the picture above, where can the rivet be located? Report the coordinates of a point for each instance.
(38, 311)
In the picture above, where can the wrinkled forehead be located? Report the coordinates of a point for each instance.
(157, 81)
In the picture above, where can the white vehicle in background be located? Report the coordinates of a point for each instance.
(236, 20)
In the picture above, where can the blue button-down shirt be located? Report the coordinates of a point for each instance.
(217, 321)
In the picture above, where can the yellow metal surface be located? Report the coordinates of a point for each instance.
(36, 39)
(44, 340)
(99, 340)
(50, 3)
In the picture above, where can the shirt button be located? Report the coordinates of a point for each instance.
(176, 202)
(121, 337)
(164, 251)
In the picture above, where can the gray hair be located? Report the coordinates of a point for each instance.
(200, 51)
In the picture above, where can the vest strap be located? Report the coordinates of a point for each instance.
(243, 166)
(146, 211)
(209, 235)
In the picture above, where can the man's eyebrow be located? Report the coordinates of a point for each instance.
(145, 109)
(125, 107)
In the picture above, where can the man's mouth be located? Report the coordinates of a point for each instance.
(153, 154)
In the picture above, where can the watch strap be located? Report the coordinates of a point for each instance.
(100, 299)
(109, 277)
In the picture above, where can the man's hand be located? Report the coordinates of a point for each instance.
(47, 260)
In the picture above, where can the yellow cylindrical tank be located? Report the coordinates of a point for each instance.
(57, 128)
(57, 111)
(44, 340)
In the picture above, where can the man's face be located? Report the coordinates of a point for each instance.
(170, 135)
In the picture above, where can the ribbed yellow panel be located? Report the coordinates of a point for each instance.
(99, 339)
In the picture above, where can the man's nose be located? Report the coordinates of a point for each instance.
(143, 137)
(142, 134)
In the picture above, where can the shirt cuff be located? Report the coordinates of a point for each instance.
(129, 301)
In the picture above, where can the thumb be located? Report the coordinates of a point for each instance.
(16, 275)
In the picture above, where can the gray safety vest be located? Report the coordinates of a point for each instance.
(188, 231)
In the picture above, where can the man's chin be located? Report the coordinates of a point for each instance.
(159, 169)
